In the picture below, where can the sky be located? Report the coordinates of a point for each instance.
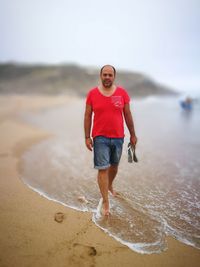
(159, 38)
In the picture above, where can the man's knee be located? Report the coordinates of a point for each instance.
(103, 172)
(114, 168)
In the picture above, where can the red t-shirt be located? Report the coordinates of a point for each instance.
(108, 112)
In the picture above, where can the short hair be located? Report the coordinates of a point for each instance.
(107, 66)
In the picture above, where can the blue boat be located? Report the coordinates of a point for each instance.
(186, 104)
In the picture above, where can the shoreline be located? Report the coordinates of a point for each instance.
(29, 234)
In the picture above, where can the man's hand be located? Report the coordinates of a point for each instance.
(89, 143)
(133, 140)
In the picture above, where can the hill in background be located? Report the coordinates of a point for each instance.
(70, 79)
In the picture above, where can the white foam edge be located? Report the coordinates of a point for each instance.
(98, 211)
(136, 247)
(41, 193)
(171, 232)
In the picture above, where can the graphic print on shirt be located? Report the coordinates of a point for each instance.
(117, 101)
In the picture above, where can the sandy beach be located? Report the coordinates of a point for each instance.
(30, 236)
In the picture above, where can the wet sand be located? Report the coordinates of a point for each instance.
(30, 236)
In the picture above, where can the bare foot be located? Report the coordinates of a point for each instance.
(105, 209)
(114, 193)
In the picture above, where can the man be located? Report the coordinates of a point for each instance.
(109, 103)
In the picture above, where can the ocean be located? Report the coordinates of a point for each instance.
(161, 193)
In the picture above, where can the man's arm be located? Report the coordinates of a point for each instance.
(129, 122)
(87, 126)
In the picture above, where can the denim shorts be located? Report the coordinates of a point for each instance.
(107, 151)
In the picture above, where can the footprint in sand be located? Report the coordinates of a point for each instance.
(88, 250)
(59, 217)
(82, 199)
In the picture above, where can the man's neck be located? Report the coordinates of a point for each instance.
(107, 90)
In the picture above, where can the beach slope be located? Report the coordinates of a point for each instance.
(30, 236)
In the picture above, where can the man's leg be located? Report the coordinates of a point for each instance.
(112, 172)
(103, 186)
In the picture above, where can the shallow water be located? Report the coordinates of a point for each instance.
(161, 193)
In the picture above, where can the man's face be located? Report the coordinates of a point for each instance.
(107, 76)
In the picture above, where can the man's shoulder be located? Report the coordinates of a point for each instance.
(93, 90)
(91, 95)
(122, 90)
